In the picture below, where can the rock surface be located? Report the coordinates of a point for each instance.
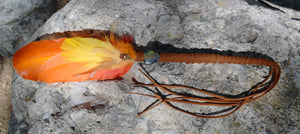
(19, 20)
(223, 25)
(5, 93)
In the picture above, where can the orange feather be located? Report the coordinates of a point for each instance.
(75, 59)
(29, 59)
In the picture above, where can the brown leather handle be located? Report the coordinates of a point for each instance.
(208, 58)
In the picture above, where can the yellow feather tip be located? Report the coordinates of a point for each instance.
(97, 54)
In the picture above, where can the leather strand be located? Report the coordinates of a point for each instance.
(214, 99)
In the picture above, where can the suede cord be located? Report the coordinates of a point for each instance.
(214, 99)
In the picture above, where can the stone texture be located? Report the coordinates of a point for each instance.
(289, 11)
(5, 93)
(218, 24)
(19, 19)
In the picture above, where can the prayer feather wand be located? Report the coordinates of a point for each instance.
(100, 55)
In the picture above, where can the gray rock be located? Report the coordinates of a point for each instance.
(19, 19)
(223, 25)
(289, 11)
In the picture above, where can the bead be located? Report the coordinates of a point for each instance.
(150, 57)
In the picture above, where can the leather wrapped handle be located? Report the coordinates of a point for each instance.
(208, 58)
